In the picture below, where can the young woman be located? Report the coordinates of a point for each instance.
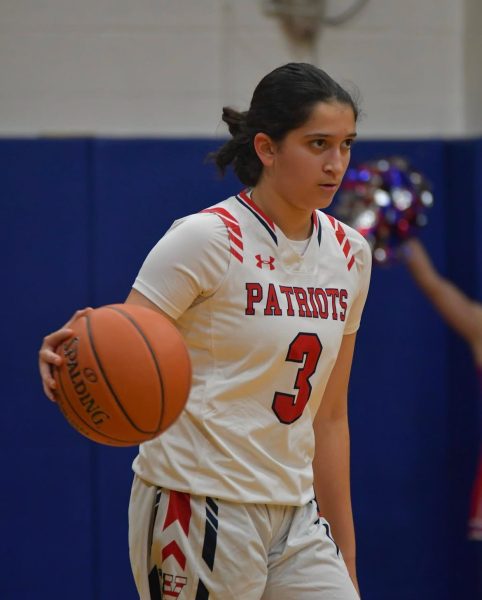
(268, 293)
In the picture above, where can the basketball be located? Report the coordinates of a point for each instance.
(125, 375)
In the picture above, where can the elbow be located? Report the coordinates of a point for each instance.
(330, 416)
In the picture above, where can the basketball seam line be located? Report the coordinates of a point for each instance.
(85, 431)
(104, 375)
(159, 374)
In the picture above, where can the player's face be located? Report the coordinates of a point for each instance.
(310, 162)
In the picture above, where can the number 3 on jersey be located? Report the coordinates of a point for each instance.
(305, 347)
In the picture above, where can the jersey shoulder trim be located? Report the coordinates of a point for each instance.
(244, 199)
(235, 235)
(317, 226)
(343, 240)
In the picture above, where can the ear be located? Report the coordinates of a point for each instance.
(265, 148)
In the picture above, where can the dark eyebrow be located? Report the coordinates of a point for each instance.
(328, 135)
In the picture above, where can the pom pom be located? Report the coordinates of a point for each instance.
(386, 201)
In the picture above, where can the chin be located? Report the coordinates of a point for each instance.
(324, 202)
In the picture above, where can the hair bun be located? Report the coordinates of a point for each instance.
(236, 121)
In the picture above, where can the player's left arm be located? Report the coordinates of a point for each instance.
(331, 465)
(459, 311)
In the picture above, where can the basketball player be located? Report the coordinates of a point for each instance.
(268, 293)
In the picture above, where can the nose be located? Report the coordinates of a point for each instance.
(335, 163)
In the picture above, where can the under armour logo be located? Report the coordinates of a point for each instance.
(172, 585)
(260, 262)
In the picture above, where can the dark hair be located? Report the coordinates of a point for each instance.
(282, 101)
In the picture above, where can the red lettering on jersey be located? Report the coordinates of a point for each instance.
(272, 304)
(334, 294)
(311, 292)
(260, 262)
(288, 291)
(254, 295)
(302, 300)
(321, 302)
(343, 304)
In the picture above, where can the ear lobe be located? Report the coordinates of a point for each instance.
(265, 148)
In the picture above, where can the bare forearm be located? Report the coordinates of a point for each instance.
(458, 311)
(331, 464)
(332, 485)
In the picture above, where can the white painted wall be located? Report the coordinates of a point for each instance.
(166, 67)
(473, 67)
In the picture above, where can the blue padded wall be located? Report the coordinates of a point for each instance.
(77, 219)
(46, 500)
(464, 253)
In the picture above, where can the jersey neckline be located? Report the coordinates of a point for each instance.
(244, 198)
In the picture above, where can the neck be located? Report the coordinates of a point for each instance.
(294, 222)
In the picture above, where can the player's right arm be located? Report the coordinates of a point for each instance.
(189, 261)
(139, 299)
(48, 357)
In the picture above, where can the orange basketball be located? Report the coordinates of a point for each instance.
(125, 377)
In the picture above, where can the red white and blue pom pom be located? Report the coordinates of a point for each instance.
(386, 201)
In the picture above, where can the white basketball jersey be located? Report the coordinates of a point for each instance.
(263, 325)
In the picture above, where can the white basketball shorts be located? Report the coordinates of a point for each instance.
(200, 548)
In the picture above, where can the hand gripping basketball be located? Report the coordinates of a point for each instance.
(48, 357)
(124, 376)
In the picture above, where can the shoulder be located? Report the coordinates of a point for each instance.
(214, 230)
(201, 229)
(198, 224)
(226, 212)
(349, 240)
(340, 230)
